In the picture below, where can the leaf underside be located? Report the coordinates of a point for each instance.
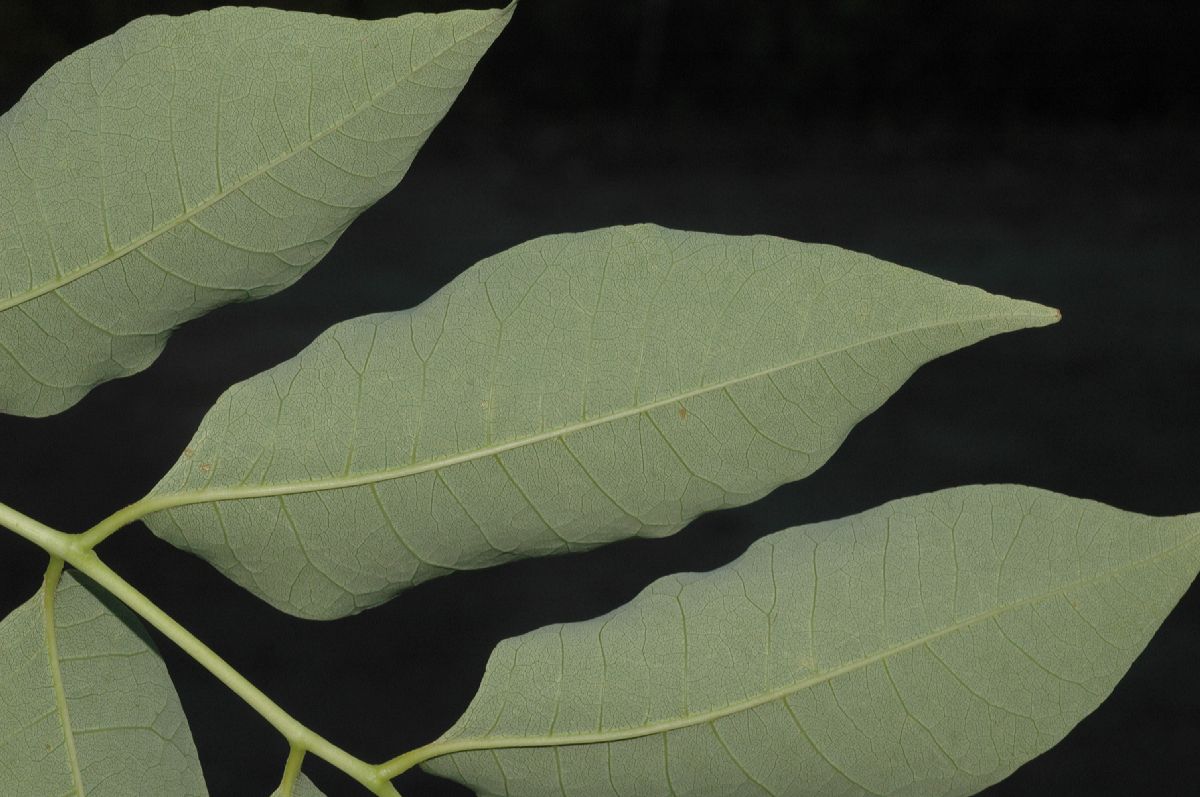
(129, 733)
(574, 390)
(302, 788)
(926, 647)
(187, 162)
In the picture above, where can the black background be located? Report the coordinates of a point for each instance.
(1043, 150)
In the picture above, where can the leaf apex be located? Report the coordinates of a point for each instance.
(502, 15)
(1030, 313)
(495, 21)
(1051, 315)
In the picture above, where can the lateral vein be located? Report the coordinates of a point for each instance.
(153, 503)
(116, 254)
(448, 746)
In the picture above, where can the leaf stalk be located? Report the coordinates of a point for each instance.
(291, 770)
(77, 551)
(114, 523)
(58, 544)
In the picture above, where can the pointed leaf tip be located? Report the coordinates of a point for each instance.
(574, 390)
(1044, 316)
(183, 224)
(884, 653)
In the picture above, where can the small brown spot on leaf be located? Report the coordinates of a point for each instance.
(188, 453)
(683, 413)
(205, 467)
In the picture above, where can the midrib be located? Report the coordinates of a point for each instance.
(60, 695)
(118, 253)
(155, 503)
(441, 748)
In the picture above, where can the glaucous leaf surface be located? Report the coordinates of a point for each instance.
(574, 390)
(926, 647)
(187, 162)
(109, 724)
(302, 788)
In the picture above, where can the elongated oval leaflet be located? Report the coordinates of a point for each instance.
(929, 646)
(574, 390)
(187, 162)
(86, 704)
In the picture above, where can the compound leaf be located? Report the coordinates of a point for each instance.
(574, 390)
(926, 647)
(187, 162)
(86, 704)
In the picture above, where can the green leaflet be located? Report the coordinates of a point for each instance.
(187, 162)
(129, 734)
(303, 788)
(574, 390)
(927, 647)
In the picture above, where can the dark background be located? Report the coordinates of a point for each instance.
(1044, 150)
